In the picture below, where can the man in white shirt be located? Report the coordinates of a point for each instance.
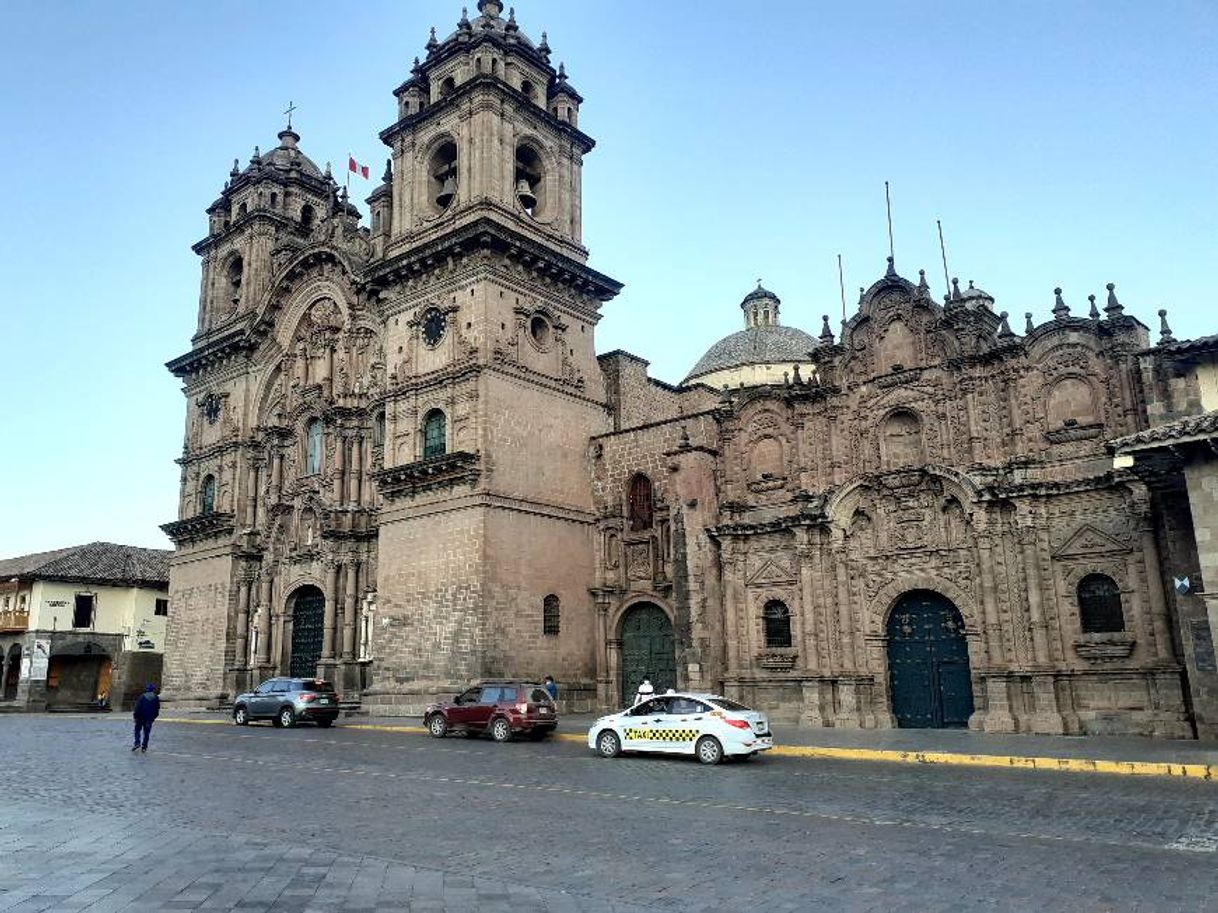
(645, 690)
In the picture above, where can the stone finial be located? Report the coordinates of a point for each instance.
(796, 377)
(490, 8)
(511, 23)
(922, 283)
(862, 295)
(1165, 335)
(955, 289)
(1029, 326)
(236, 169)
(891, 271)
(562, 72)
(1094, 313)
(328, 174)
(256, 158)
(387, 177)
(1060, 310)
(544, 48)
(1113, 308)
(417, 66)
(786, 378)
(826, 334)
(463, 22)
(1004, 328)
(432, 42)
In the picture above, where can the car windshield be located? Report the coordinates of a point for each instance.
(724, 704)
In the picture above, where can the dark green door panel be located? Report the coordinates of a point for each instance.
(648, 649)
(928, 663)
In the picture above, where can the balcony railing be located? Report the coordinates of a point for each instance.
(14, 621)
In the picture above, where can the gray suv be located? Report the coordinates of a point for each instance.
(288, 701)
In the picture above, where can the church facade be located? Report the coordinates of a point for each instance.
(406, 466)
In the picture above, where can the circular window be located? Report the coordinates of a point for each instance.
(434, 325)
(539, 329)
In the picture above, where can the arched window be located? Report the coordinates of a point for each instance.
(241, 211)
(378, 429)
(1071, 402)
(642, 503)
(435, 434)
(1099, 605)
(448, 87)
(777, 620)
(207, 496)
(236, 272)
(306, 216)
(529, 90)
(551, 610)
(313, 447)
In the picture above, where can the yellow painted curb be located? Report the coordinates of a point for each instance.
(1011, 762)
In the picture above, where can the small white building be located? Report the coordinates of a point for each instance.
(82, 626)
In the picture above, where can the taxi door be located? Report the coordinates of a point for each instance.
(678, 729)
(638, 727)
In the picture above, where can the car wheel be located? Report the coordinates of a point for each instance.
(708, 750)
(608, 745)
(241, 716)
(437, 725)
(325, 724)
(286, 718)
(501, 730)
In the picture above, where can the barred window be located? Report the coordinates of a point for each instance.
(1099, 605)
(777, 619)
(207, 496)
(313, 447)
(642, 503)
(551, 611)
(435, 435)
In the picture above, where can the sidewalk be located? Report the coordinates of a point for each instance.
(1126, 755)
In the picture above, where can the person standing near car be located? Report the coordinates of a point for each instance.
(551, 687)
(646, 690)
(146, 710)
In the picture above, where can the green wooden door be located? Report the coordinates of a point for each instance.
(928, 665)
(308, 626)
(648, 650)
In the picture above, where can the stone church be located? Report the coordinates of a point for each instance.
(406, 466)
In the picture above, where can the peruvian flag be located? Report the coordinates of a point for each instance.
(356, 168)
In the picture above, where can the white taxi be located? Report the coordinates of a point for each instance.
(707, 726)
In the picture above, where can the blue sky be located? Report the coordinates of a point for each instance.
(1068, 144)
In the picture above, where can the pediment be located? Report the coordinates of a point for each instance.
(1087, 540)
(770, 570)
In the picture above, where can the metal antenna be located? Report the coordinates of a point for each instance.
(947, 283)
(888, 203)
(841, 281)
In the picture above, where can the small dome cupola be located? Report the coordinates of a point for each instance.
(760, 307)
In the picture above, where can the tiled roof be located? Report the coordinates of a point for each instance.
(98, 562)
(1194, 426)
(1188, 346)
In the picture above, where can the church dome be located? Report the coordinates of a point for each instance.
(287, 156)
(758, 354)
(761, 345)
(491, 21)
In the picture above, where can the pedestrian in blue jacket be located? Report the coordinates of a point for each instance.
(147, 709)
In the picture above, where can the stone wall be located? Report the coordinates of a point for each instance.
(197, 640)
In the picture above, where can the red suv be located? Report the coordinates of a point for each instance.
(501, 708)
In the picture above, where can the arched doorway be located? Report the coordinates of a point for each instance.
(928, 663)
(648, 649)
(308, 629)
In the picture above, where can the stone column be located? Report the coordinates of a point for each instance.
(810, 641)
(1031, 566)
(340, 460)
(845, 659)
(732, 597)
(277, 475)
(241, 659)
(603, 683)
(349, 611)
(356, 472)
(264, 617)
(250, 513)
(327, 638)
(994, 647)
(1154, 584)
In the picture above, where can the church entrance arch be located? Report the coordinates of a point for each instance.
(928, 668)
(308, 628)
(648, 650)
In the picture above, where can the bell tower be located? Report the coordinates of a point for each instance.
(494, 389)
(487, 128)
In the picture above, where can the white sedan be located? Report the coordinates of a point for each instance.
(705, 725)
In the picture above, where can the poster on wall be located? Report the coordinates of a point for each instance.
(40, 658)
